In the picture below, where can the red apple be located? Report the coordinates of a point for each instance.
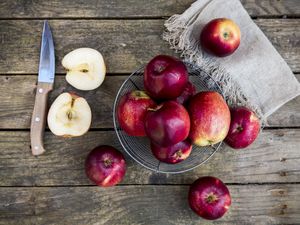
(131, 112)
(165, 77)
(244, 128)
(209, 198)
(187, 93)
(172, 154)
(220, 37)
(210, 118)
(105, 166)
(167, 124)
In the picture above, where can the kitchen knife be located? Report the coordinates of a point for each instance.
(44, 86)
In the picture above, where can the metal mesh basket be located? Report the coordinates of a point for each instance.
(139, 147)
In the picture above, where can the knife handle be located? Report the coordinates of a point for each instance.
(38, 119)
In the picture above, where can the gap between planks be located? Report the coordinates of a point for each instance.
(280, 16)
(148, 185)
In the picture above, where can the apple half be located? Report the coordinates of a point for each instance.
(85, 68)
(69, 115)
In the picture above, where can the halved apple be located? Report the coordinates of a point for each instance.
(85, 68)
(69, 115)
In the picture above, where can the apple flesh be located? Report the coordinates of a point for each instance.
(85, 68)
(165, 77)
(132, 110)
(69, 115)
(210, 118)
(209, 198)
(172, 154)
(188, 92)
(244, 128)
(221, 37)
(167, 124)
(105, 166)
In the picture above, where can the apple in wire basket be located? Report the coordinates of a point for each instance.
(172, 154)
(165, 77)
(188, 92)
(131, 112)
(167, 124)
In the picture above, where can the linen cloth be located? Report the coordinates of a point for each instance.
(255, 75)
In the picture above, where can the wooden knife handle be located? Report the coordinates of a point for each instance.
(38, 119)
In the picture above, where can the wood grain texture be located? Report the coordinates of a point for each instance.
(274, 157)
(17, 105)
(144, 197)
(129, 8)
(17, 102)
(125, 44)
(133, 205)
(272, 7)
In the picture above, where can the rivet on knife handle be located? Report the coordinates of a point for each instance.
(38, 120)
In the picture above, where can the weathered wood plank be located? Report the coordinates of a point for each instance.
(131, 8)
(272, 7)
(274, 157)
(125, 44)
(129, 205)
(17, 102)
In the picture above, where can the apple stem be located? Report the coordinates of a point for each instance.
(226, 35)
(211, 198)
(159, 68)
(140, 94)
(210, 142)
(179, 153)
(107, 162)
(239, 128)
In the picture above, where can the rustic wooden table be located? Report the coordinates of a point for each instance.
(264, 180)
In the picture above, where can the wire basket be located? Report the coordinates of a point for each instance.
(139, 147)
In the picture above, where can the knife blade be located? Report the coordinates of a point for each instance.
(44, 86)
